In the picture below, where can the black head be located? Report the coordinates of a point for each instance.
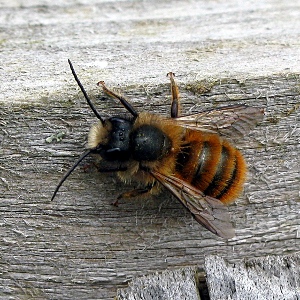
(149, 143)
(118, 145)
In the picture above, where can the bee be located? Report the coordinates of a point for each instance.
(188, 155)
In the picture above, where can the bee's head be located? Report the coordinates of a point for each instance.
(111, 139)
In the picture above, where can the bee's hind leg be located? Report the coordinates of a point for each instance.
(175, 96)
(134, 193)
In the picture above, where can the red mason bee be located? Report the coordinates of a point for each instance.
(187, 155)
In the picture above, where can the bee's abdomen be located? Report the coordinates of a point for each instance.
(212, 165)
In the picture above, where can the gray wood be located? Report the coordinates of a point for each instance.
(263, 278)
(179, 284)
(79, 246)
(271, 277)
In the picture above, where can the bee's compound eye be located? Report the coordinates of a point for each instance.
(149, 143)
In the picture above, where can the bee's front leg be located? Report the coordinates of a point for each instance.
(110, 166)
(124, 102)
(175, 96)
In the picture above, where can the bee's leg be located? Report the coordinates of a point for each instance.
(110, 166)
(87, 167)
(175, 96)
(124, 102)
(134, 193)
(105, 167)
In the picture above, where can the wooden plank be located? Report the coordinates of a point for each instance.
(79, 246)
(179, 284)
(272, 277)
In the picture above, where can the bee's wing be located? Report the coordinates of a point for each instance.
(228, 121)
(208, 211)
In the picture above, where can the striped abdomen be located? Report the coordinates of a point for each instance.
(212, 165)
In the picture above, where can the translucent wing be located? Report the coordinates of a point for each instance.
(229, 121)
(208, 211)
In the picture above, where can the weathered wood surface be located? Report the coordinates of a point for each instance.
(80, 246)
(272, 277)
(178, 284)
(261, 279)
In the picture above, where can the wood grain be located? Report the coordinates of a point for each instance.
(81, 247)
(261, 278)
(271, 277)
(178, 284)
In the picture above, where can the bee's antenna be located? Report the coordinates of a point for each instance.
(83, 155)
(84, 93)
